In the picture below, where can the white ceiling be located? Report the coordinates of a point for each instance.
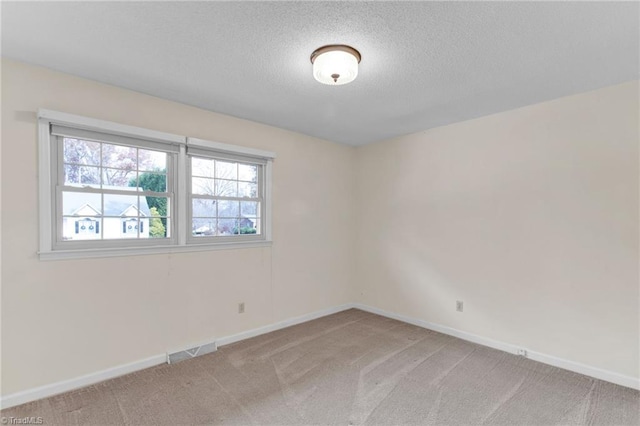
(423, 64)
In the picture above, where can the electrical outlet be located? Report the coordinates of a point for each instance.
(522, 352)
(459, 305)
(241, 308)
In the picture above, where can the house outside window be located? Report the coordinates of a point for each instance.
(120, 219)
(85, 228)
(132, 228)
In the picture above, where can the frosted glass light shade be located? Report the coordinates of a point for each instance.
(335, 65)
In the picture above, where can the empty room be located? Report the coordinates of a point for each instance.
(320, 213)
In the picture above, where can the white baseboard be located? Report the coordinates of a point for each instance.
(227, 340)
(79, 382)
(513, 349)
(576, 367)
(110, 373)
(587, 370)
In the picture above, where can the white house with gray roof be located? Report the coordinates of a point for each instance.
(88, 217)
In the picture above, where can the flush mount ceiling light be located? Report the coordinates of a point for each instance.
(335, 64)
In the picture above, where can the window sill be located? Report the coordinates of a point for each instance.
(142, 251)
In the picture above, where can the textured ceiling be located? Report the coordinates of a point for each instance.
(424, 64)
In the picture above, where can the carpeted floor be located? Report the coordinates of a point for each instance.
(346, 369)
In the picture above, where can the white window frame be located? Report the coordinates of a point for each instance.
(57, 176)
(219, 151)
(181, 239)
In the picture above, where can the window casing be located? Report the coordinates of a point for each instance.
(107, 190)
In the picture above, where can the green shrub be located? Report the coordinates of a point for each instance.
(245, 230)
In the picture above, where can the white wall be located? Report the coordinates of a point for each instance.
(528, 216)
(63, 319)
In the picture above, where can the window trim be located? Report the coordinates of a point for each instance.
(48, 161)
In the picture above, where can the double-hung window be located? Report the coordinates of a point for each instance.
(108, 189)
(112, 191)
(226, 194)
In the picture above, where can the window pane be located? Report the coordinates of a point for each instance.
(125, 227)
(204, 227)
(118, 178)
(120, 157)
(152, 160)
(226, 170)
(147, 181)
(158, 226)
(124, 205)
(126, 216)
(248, 172)
(130, 227)
(248, 225)
(249, 209)
(227, 226)
(202, 186)
(202, 167)
(81, 204)
(247, 190)
(203, 208)
(81, 152)
(228, 208)
(85, 228)
(226, 188)
(157, 206)
(75, 175)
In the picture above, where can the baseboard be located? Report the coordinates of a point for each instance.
(110, 373)
(576, 367)
(506, 347)
(227, 340)
(587, 370)
(79, 382)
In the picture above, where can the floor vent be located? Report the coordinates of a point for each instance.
(207, 348)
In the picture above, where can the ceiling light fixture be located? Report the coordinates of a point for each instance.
(335, 64)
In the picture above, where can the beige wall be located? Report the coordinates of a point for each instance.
(63, 319)
(529, 216)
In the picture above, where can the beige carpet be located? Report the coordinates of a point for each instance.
(346, 369)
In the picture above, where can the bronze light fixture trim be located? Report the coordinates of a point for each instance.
(335, 64)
